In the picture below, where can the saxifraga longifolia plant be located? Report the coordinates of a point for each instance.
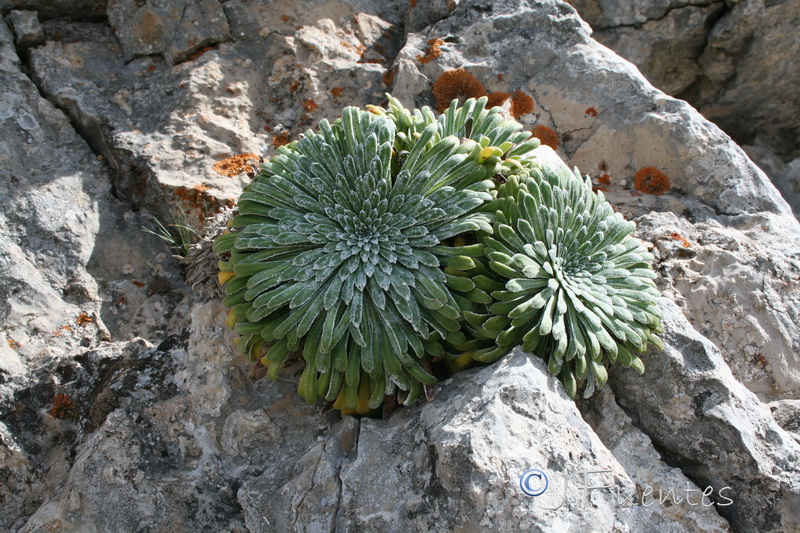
(391, 239)
(340, 244)
(570, 283)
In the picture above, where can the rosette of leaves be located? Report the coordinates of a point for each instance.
(337, 253)
(503, 142)
(570, 282)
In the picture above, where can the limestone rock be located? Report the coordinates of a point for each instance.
(27, 30)
(724, 59)
(163, 127)
(787, 414)
(736, 280)
(424, 14)
(785, 175)
(714, 429)
(603, 14)
(679, 34)
(70, 251)
(452, 464)
(663, 496)
(174, 29)
(70, 9)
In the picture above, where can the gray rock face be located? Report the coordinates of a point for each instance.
(174, 431)
(663, 495)
(174, 29)
(735, 279)
(453, 464)
(724, 59)
(27, 30)
(714, 429)
(787, 414)
(47, 9)
(69, 250)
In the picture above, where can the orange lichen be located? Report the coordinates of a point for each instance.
(434, 51)
(603, 182)
(413, 4)
(521, 103)
(388, 77)
(310, 105)
(456, 84)
(150, 68)
(60, 332)
(286, 18)
(139, 283)
(592, 112)
(63, 406)
(650, 180)
(13, 344)
(357, 48)
(497, 98)
(293, 88)
(196, 199)
(84, 319)
(200, 52)
(235, 165)
(499, 77)
(546, 135)
(336, 91)
(678, 237)
(280, 139)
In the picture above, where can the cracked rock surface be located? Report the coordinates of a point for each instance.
(125, 407)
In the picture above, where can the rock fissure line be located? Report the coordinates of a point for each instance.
(668, 12)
